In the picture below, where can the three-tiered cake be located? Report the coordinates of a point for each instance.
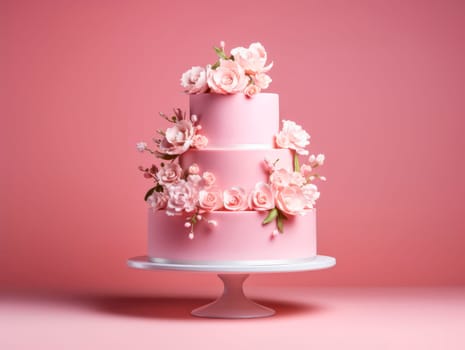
(230, 187)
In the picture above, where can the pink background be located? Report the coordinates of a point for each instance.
(378, 84)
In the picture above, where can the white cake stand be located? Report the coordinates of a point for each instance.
(233, 303)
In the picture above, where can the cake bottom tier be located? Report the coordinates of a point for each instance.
(239, 237)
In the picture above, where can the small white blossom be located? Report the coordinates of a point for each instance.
(320, 159)
(141, 146)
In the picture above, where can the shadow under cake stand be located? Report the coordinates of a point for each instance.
(233, 303)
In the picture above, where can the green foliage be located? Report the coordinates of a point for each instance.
(272, 214)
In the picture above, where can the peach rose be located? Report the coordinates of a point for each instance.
(251, 90)
(169, 173)
(261, 198)
(235, 199)
(228, 78)
(210, 199)
(291, 200)
(194, 81)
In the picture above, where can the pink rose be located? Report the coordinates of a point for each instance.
(280, 178)
(182, 197)
(253, 59)
(209, 178)
(235, 199)
(294, 137)
(194, 81)
(210, 199)
(261, 197)
(251, 90)
(228, 78)
(157, 200)
(311, 194)
(262, 80)
(169, 173)
(291, 200)
(199, 141)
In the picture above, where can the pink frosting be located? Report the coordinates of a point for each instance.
(237, 236)
(232, 120)
(238, 167)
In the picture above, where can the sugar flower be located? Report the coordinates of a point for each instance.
(292, 136)
(194, 81)
(261, 197)
(181, 198)
(141, 146)
(170, 173)
(235, 198)
(252, 59)
(291, 200)
(157, 200)
(228, 78)
(211, 199)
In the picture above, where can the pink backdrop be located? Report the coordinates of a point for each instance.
(378, 84)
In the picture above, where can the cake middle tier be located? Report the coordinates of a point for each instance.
(236, 120)
(237, 167)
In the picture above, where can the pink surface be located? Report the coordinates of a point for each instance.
(168, 238)
(237, 167)
(306, 318)
(235, 120)
(379, 86)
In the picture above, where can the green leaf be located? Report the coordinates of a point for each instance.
(149, 193)
(272, 214)
(296, 162)
(220, 53)
(280, 223)
(216, 65)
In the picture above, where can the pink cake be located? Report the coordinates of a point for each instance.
(230, 187)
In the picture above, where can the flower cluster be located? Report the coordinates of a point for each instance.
(178, 138)
(243, 70)
(193, 194)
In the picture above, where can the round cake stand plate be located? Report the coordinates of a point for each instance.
(233, 303)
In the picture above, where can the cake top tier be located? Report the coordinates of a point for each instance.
(236, 121)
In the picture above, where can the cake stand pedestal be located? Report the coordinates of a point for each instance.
(233, 303)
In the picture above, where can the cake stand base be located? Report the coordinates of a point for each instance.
(233, 303)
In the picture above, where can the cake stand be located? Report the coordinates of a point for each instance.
(233, 303)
